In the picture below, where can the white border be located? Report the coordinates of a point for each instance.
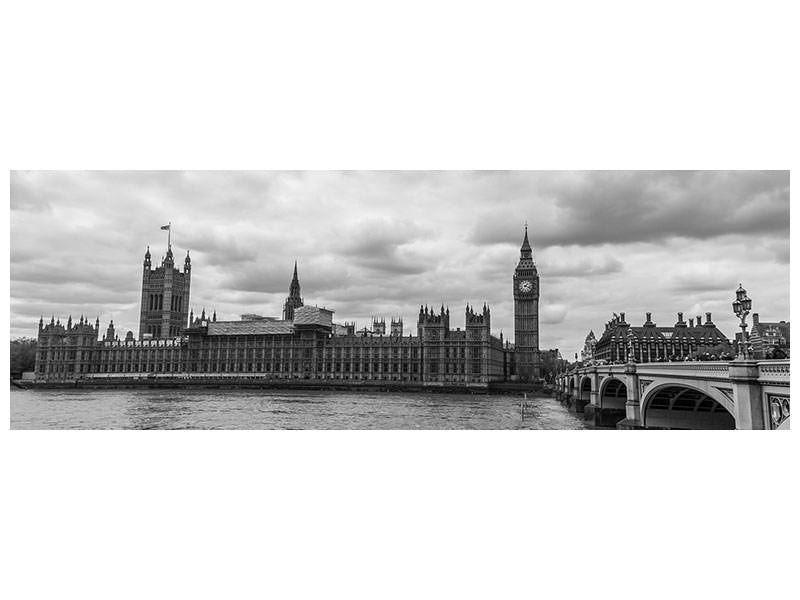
(398, 514)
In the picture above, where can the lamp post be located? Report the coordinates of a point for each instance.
(741, 308)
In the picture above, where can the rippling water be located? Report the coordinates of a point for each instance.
(280, 409)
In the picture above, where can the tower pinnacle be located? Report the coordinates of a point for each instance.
(526, 250)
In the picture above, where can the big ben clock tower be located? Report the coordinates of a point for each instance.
(526, 313)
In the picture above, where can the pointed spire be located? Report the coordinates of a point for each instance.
(294, 276)
(214, 317)
(69, 322)
(526, 250)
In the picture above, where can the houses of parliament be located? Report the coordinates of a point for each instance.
(304, 345)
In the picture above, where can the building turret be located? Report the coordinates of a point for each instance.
(480, 320)
(164, 307)
(110, 331)
(41, 322)
(187, 264)
(379, 326)
(397, 327)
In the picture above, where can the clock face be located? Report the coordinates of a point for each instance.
(525, 286)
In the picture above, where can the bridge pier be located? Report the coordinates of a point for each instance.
(633, 412)
(748, 400)
(603, 417)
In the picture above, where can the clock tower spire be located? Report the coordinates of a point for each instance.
(526, 313)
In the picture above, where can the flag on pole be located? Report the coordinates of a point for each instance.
(166, 227)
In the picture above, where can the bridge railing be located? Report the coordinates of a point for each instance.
(768, 369)
(773, 371)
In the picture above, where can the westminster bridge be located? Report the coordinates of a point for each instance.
(741, 394)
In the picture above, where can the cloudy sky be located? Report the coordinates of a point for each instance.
(383, 242)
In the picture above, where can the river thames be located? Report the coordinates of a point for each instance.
(282, 409)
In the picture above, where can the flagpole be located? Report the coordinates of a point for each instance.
(169, 235)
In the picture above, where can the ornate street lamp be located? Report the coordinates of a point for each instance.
(741, 308)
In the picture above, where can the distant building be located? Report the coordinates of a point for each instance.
(551, 362)
(769, 339)
(587, 354)
(650, 343)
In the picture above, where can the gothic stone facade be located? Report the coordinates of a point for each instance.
(164, 310)
(308, 346)
(651, 343)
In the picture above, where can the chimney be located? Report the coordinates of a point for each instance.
(691, 322)
(708, 319)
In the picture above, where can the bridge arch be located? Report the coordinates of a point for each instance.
(613, 393)
(585, 389)
(683, 405)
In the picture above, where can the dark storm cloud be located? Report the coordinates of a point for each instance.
(620, 207)
(383, 242)
(382, 245)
